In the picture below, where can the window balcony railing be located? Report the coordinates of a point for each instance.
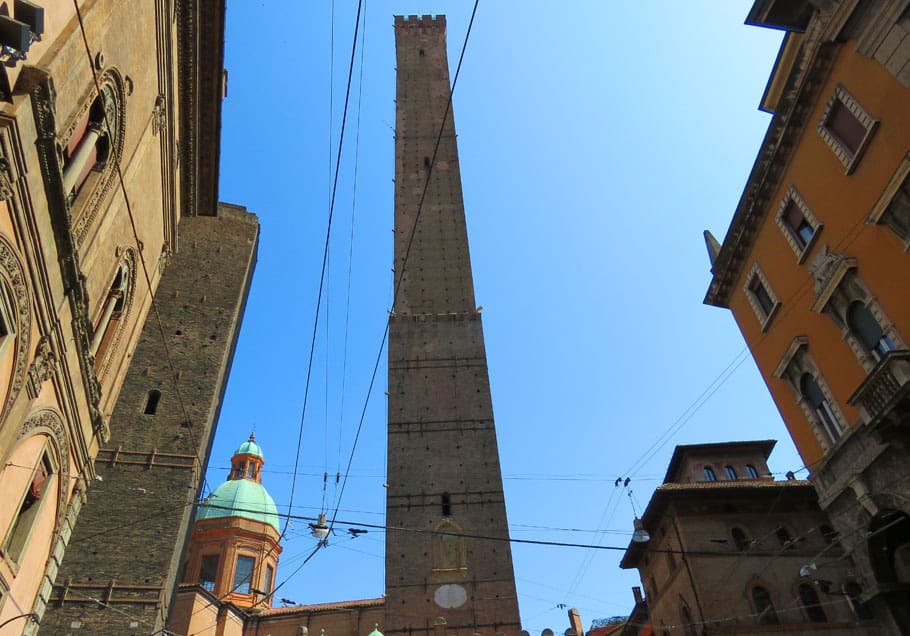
(884, 395)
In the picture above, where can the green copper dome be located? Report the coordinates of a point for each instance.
(249, 447)
(240, 498)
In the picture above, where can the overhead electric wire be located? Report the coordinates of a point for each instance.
(347, 304)
(410, 242)
(325, 255)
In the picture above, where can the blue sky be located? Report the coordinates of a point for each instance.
(596, 143)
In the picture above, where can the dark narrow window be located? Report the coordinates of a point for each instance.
(151, 402)
(866, 329)
(446, 505)
(709, 474)
(764, 608)
(753, 474)
(740, 539)
(762, 297)
(811, 604)
(784, 538)
(243, 575)
(269, 575)
(829, 534)
(671, 561)
(688, 624)
(820, 405)
(29, 508)
(854, 593)
(897, 214)
(731, 472)
(208, 572)
(799, 226)
(844, 125)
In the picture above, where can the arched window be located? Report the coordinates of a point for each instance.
(113, 311)
(688, 624)
(866, 329)
(731, 472)
(784, 538)
(811, 604)
(709, 474)
(764, 607)
(753, 474)
(820, 405)
(449, 547)
(740, 539)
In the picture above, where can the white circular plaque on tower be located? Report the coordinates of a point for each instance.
(450, 596)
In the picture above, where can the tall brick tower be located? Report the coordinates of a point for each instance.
(445, 484)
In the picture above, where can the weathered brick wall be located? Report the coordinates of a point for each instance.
(443, 462)
(131, 533)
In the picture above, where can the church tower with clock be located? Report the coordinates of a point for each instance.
(448, 559)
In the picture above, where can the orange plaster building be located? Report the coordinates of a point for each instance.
(815, 269)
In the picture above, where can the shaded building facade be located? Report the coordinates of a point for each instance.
(814, 268)
(109, 140)
(732, 551)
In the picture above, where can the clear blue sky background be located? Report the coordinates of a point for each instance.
(597, 140)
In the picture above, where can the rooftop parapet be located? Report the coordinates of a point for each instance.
(422, 22)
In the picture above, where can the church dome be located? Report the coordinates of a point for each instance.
(240, 498)
(249, 447)
(242, 495)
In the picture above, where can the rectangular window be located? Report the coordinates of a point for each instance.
(846, 127)
(761, 297)
(243, 575)
(269, 575)
(30, 506)
(799, 225)
(208, 572)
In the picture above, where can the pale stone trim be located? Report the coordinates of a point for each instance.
(763, 318)
(848, 158)
(877, 213)
(789, 233)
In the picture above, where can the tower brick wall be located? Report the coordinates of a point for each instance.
(125, 555)
(443, 463)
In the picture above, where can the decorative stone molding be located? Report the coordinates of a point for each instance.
(43, 367)
(129, 259)
(159, 116)
(50, 422)
(6, 180)
(87, 205)
(12, 274)
(828, 269)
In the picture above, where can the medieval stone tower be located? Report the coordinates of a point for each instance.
(445, 485)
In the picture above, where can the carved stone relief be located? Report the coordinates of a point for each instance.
(13, 278)
(50, 422)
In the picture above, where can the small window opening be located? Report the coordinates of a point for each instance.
(753, 474)
(865, 327)
(829, 534)
(762, 297)
(764, 607)
(784, 538)
(208, 572)
(422, 52)
(243, 575)
(446, 505)
(740, 539)
(731, 472)
(819, 403)
(426, 163)
(812, 604)
(151, 402)
(709, 474)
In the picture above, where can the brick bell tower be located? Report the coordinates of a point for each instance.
(445, 484)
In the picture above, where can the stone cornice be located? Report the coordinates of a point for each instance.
(800, 94)
(200, 60)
